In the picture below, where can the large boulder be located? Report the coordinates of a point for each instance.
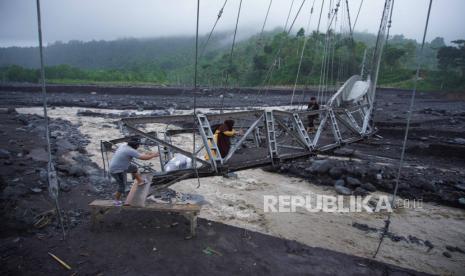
(64, 187)
(4, 154)
(385, 185)
(461, 201)
(64, 145)
(429, 186)
(336, 172)
(319, 167)
(359, 171)
(353, 182)
(460, 141)
(77, 171)
(460, 186)
(368, 186)
(38, 154)
(72, 170)
(342, 190)
(340, 182)
(359, 191)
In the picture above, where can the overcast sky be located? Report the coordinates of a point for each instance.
(86, 20)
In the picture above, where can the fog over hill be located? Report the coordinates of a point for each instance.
(166, 53)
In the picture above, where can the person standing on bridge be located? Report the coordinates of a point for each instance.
(222, 138)
(312, 105)
(120, 166)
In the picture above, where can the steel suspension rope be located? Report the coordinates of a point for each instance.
(325, 55)
(194, 160)
(260, 37)
(358, 13)
(351, 65)
(220, 13)
(333, 48)
(319, 19)
(409, 117)
(348, 17)
(264, 22)
(321, 86)
(297, 14)
(289, 14)
(335, 41)
(325, 60)
(231, 53)
(51, 173)
(330, 48)
(389, 23)
(341, 35)
(321, 72)
(299, 106)
(302, 54)
(319, 44)
(269, 73)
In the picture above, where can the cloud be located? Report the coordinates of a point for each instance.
(111, 19)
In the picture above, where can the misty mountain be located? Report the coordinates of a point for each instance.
(170, 60)
(166, 53)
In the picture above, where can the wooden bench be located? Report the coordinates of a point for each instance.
(189, 211)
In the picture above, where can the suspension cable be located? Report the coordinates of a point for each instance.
(44, 90)
(319, 19)
(295, 17)
(409, 117)
(51, 173)
(231, 54)
(302, 54)
(264, 22)
(348, 16)
(267, 80)
(220, 13)
(196, 55)
(325, 61)
(234, 37)
(358, 13)
(389, 23)
(334, 40)
(289, 14)
(194, 155)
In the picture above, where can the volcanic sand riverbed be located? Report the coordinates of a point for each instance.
(239, 202)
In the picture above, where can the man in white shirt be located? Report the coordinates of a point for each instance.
(120, 165)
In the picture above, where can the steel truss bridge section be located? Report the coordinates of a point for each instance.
(269, 137)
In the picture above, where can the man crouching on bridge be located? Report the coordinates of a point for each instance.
(120, 165)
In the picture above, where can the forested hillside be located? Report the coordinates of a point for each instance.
(270, 59)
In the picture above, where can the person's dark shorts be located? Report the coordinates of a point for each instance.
(121, 178)
(311, 118)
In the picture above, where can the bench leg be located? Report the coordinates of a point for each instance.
(193, 222)
(192, 217)
(93, 218)
(96, 215)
